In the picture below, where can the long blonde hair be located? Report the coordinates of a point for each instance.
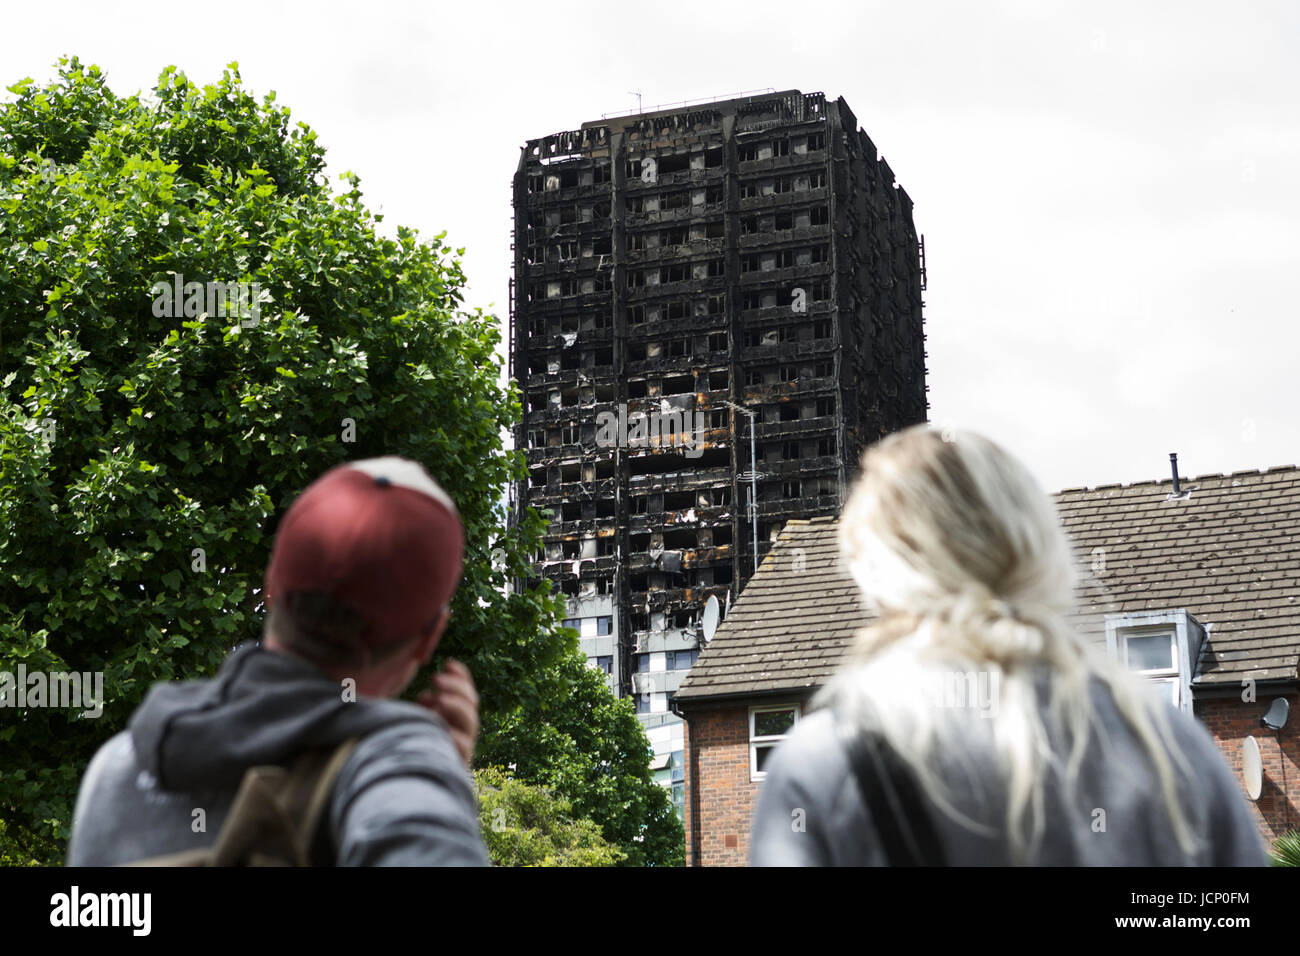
(965, 561)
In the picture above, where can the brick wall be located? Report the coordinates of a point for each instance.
(719, 740)
(1230, 721)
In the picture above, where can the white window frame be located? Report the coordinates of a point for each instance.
(1187, 636)
(1159, 675)
(768, 740)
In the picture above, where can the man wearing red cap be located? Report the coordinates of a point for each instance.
(358, 593)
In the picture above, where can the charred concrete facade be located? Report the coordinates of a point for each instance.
(754, 251)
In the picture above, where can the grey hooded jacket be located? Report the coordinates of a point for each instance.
(811, 812)
(403, 797)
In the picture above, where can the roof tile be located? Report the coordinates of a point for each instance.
(1228, 551)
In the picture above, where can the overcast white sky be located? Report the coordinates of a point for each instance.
(1108, 190)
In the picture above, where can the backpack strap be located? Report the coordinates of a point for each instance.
(896, 804)
(317, 780)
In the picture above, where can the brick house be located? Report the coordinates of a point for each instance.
(1195, 583)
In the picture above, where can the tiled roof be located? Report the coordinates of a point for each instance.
(1227, 550)
(791, 625)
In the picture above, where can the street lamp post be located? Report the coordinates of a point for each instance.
(753, 474)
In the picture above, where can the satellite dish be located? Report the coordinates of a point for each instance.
(1252, 770)
(711, 614)
(1275, 719)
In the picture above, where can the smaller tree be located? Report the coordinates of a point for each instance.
(584, 744)
(20, 847)
(525, 825)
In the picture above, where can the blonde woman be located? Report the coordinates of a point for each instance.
(974, 726)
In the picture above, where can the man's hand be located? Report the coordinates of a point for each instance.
(453, 697)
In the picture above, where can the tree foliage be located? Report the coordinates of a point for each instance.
(1286, 849)
(528, 825)
(591, 748)
(19, 847)
(576, 739)
(145, 458)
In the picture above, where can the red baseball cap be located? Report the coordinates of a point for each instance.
(379, 536)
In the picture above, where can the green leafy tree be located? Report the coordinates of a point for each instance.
(19, 847)
(591, 748)
(528, 825)
(147, 447)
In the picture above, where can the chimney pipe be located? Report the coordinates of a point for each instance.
(1173, 463)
